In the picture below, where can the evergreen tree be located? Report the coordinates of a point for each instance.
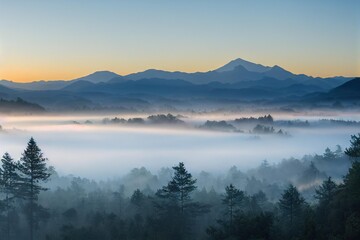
(9, 183)
(137, 198)
(33, 172)
(311, 173)
(177, 207)
(326, 192)
(232, 199)
(329, 155)
(179, 189)
(352, 187)
(338, 152)
(354, 150)
(290, 204)
(352, 190)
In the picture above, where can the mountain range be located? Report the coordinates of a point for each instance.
(237, 81)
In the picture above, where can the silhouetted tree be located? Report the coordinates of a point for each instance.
(246, 226)
(326, 192)
(310, 174)
(9, 183)
(352, 199)
(137, 198)
(33, 172)
(329, 155)
(354, 150)
(290, 205)
(178, 204)
(338, 152)
(232, 199)
(179, 188)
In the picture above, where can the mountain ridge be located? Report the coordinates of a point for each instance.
(157, 92)
(250, 66)
(238, 70)
(105, 75)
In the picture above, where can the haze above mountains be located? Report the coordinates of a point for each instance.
(239, 80)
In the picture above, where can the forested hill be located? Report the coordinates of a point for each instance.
(73, 208)
(19, 106)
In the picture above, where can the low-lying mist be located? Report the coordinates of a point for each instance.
(102, 151)
(144, 176)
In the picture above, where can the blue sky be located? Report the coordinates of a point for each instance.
(67, 39)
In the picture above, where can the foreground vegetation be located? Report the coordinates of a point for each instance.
(32, 208)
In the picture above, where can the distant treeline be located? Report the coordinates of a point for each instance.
(262, 125)
(257, 125)
(208, 125)
(295, 199)
(152, 119)
(267, 119)
(19, 105)
(218, 125)
(339, 122)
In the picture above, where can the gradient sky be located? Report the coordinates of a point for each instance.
(66, 39)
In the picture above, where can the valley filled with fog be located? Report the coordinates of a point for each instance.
(179, 120)
(102, 147)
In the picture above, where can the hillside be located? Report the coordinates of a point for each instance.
(19, 106)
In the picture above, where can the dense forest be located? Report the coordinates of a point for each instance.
(316, 197)
(19, 106)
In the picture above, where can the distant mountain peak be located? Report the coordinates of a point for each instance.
(280, 73)
(78, 85)
(98, 76)
(103, 71)
(352, 85)
(250, 66)
(278, 69)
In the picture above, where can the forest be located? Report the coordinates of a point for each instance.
(316, 197)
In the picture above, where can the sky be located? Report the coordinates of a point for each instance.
(61, 40)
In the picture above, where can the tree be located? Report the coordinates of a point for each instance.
(137, 198)
(329, 155)
(352, 179)
(339, 208)
(290, 203)
(352, 187)
(338, 152)
(176, 205)
(246, 226)
(326, 192)
(9, 182)
(33, 172)
(232, 199)
(311, 173)
(354, 150)
(179, 188)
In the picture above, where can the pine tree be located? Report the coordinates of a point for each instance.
(176, 206)
(179, 188)
(9, 182)
(33, 172)
(137, 198)
(352, 179)
(329, 155)
(354, 150)
(290, 204)
(326, 192)
(232, 199)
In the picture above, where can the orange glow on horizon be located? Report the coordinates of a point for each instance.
(69, 72)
